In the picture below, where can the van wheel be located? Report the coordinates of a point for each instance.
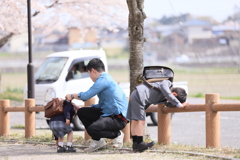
(47, 120)
(154, 117)
(77, 124)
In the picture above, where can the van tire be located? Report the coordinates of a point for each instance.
(77, 124)
(154, 117)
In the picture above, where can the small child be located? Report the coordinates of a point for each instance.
(60, 126)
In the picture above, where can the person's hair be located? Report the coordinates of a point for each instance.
(181, 94)
(84, 69)
(96, 64)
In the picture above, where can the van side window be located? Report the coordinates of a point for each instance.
(78, 71)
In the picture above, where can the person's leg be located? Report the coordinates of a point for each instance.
(70, 148)
(136, 113)
(104, 127)
(60, 129)
(137, 127)
(69, 139)
(56, 139)
(56, 142)
(88, 115)
(60, 147)
(137, 135)
(60, 141)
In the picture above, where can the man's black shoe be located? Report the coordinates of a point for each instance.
(70, 149)
(61, 149)
(143, 146)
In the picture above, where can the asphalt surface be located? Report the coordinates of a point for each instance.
(186, 128)
(189, 128)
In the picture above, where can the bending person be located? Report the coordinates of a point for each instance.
(141, 98)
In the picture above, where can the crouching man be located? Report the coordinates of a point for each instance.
(107, 118)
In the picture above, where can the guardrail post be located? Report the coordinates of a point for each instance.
(29, 119)
(212, 122)
(88, 103)
(4, 118)
(164, 127)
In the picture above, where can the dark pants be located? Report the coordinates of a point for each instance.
(100, 127)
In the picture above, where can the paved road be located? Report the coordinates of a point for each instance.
(189, 128)
(186, 128)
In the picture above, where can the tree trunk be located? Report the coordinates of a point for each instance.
(136, 41)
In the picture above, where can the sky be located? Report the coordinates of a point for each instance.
(217, 9)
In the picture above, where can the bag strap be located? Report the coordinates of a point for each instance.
(149, 85)
(152, 86)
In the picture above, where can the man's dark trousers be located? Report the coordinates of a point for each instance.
(98, 126)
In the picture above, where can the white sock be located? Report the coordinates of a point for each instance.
(60, 144)
(69, 144)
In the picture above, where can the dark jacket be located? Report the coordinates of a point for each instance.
(68, 113)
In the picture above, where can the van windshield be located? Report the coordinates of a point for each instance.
(50, 69)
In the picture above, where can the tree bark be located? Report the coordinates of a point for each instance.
(136, 40)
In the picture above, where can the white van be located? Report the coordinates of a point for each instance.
(62, 73)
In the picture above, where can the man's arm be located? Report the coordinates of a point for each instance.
(70, 97)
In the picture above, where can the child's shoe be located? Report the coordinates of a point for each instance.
(70, 149)
(61, 149)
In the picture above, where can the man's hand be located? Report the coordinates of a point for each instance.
(68, 97)
(184, 105)
(68, 122)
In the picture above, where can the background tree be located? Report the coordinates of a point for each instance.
(136, 39)
(136, 42)
(50, 15)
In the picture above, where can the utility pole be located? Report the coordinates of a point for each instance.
(238, 28)
(30, 66)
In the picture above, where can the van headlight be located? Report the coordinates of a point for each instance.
(50, 93)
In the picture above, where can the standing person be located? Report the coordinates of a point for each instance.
(60, 126)
(141, 98)
(107, 118)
